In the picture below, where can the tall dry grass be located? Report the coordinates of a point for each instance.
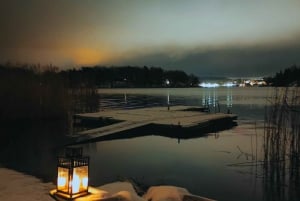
(34, 96)
(282, 145)
(28, 93)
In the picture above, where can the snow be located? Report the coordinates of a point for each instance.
(15, 186)
(165, 193)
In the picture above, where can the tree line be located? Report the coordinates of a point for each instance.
(35, 92)
(129, 76)
(285, 78)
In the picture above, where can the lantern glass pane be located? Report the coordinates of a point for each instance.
(63, 179)
(80, 179)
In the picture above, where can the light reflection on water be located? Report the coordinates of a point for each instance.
(248, 103)
(201, 165)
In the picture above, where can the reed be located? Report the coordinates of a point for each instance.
(84, 99)
(282, 145)
(36, 113)
(33, 95)
(28, 93)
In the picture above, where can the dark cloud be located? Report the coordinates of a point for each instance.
(201, 37)
(240, 61)
(49, 23)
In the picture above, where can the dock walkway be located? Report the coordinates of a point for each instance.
(179, 116)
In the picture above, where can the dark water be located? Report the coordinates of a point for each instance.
(32, 147)
(248, 103)
(201, 165)
(211, 166)
(206, 166)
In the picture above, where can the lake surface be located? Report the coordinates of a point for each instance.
(211, 166)
(220, 166)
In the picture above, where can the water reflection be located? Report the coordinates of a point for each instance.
(247, 103)
(229, 98)
(168, 97)
(210, 98)
(32, 148)
(173, 131)
(201, 165)
(125, 98)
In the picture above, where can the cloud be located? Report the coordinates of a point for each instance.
(201, 37)
(225, 61)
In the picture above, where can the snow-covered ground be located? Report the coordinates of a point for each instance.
(16, 186)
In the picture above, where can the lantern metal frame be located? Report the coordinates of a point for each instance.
(73, 159)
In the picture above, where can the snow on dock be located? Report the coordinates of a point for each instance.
(177, 116)
(114, 128)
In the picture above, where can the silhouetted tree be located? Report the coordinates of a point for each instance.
(289, 77)
(127, 76)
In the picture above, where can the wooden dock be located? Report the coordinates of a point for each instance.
(183, 117)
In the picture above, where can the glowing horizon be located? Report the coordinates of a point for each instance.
(201, 37)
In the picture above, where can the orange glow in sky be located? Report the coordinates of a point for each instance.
(88, 56)
(201, 37)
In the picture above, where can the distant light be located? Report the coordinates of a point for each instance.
(209, 85)
(167, 82)
(228, 84)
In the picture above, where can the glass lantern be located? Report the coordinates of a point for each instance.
(72, 174)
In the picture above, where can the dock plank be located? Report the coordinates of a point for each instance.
(117, 127)
(183, 116)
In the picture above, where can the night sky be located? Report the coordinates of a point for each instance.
(207, 38)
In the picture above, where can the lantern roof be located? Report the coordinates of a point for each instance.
(73, 152)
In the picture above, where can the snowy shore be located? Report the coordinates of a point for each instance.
(15, 186)
(18, 186)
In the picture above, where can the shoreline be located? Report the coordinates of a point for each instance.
(20, 186)
(15, 186)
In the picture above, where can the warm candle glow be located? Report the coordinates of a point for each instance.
(85, 182)
(80, 179)
(62, 179)
(72, 174)
(75, 183)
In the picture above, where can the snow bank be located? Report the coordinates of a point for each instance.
(18, 186)
(165, 193)
(117, 191)
(15, 186)
(171, 193)
(124, 191)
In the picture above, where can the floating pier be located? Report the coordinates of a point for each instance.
(177, 121)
